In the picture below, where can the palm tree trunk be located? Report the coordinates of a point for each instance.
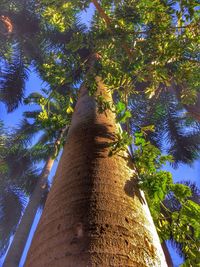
(18, 244)
(94, 215)
(167, 254)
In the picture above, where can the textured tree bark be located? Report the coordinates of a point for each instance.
(94, 215)
(18, 244)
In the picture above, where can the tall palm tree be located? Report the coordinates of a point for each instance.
(22, 231)
(53, 138)
(17, 178)
(15, 76)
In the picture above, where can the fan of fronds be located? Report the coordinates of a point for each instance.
(175, 133)
(12, 81)
(183, 145)
(17, 180)
(35, 41)
(12, 204)
(20, 168)
(33, 134)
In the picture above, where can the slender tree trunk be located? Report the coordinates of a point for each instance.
(18, 244)
(167, 255)
(94, 215)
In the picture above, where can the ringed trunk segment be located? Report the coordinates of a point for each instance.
(16, 249)
(94, 216)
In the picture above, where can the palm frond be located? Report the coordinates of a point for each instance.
(183, 145)
(25, 132)
(20, 169)
(41, 152)
(174, 132)
(12, 204)
(12, 82)
(27, 181)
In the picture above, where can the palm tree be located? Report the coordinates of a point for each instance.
(12, 205)
(14, 76)
(54, 128)
(17, 178)
(29, 45)
(15, 72)
(174, 131)
(18, 49)
(22, 231)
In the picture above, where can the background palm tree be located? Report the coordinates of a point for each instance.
(29, 46)
(175, 132)
(18, 176)
(51, 121)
